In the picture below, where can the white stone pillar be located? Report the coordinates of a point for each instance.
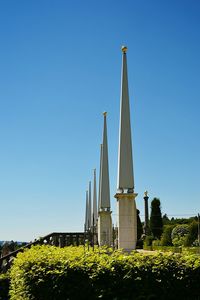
(127, 221)
(105, 228)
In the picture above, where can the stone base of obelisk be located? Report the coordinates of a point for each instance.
(127, 221)
(105, 228)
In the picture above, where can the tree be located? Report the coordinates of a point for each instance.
(156, 224)
(166, 238)
(165, 219)
(179, 234)
(5, 248)
(177, 221)
(192, 235)
(139, 225)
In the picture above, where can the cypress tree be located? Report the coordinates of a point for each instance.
(139, 225)
(156, 224)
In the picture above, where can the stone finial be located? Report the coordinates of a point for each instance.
(124, 49)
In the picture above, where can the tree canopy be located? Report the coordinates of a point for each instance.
(156, 223)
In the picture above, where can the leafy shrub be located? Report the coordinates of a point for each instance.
(50, 273)
(148, 240)
(156, 243)
(166, 238)
(167, 249)
(191, 250)
(195, 243)
(4, 286)
(192, 235)
(183, 250)
(179, 234)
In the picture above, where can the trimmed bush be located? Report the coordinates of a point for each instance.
(166, 249)
(191, 250)
(156, 243)
(148, 240)
(166, 238)
(192, 235)
(183, 250)
(179, 234)
(50, 273)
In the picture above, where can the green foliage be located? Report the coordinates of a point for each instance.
(165, 219)
(156, 224)
(156, 243)
(4, 286)
(196, 243)
(9, 246)
(176, 221)
(183, 250)
(191, 250)
(179, 234)
(50, 273)
(192, 235)
(165, 248)
(166, 238)
(139, 225)
(148, 240)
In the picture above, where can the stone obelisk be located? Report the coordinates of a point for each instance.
(86, 226)
(126, 207)
(99, 195)
(94, 207)
(89, 208)
(104, 219)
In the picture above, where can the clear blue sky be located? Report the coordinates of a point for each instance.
(60, 65)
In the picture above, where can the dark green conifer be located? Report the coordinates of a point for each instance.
(139, 225)
(156, 224)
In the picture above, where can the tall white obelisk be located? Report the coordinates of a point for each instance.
(104, 219)
(86, 225)
(94, 207)
(89, 208)
(126, 207)
(99, 195)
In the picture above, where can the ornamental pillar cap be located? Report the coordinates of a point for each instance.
(124, 49)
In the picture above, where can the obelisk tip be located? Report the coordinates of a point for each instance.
(124, 49)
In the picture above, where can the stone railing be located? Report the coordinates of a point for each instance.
(59, 239)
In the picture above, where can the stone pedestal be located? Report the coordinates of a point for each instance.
(127, 221)
(105, 228)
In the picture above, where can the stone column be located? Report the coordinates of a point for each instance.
(127, 221)
(146, 214)
(105, 228)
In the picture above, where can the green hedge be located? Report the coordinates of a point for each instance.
(50, 273)
(183, 250)
(191, 250)
(164, 248)
(4, 286)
